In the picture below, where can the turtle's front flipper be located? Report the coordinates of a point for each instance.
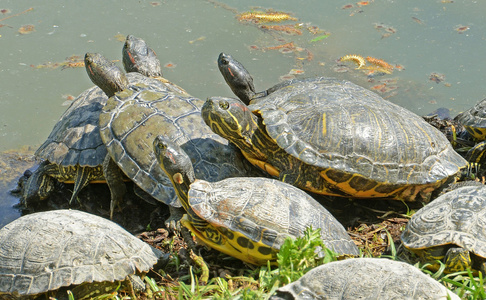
(114, 179)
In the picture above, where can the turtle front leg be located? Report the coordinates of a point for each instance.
(114, 179)
(173, 222)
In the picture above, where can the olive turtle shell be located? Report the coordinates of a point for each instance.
(75, 139)
(44, 251)
(365, 278)
(132, 119)
(474, 120)
(343, 128)
(265, 212)
(456, 217)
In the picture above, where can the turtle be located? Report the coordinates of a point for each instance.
(74, 151)
(333, 137)
(45, 251)
(364, 278)
(451, 229)
(138, 112)
(247, 217)
(474, 121)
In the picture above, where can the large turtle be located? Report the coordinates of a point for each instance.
(451, 229)
(365, 278)
(247, 217)
(137, 113)
(44, 251)
(74, 151)
(333, 137)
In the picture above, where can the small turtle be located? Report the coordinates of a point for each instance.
(247, 217)
(364, 278)
(474, 120)
(451, 229)
(333, 137)
(44, 251)
(136, 113)
(74, 151)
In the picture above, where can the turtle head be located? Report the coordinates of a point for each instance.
(138, 57)
(231, 119)
(237, 77)
(177, 165)
(105, 74)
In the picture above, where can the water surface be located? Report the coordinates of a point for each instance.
(421, 36)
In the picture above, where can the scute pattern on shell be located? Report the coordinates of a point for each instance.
(457, 217)
(47, 250)
(365, 278)
(75, 139)
(474, 119)
(315, 120)
(269, 206)
(134, 117)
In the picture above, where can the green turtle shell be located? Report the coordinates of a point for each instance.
(474, 120)
(264, 212)
(367, 279)
(135, 116)
(353, 136)
(44, 251)
(456, 217)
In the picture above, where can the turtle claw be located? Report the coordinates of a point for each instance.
(173, 223)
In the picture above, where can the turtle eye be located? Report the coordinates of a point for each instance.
(224, 105)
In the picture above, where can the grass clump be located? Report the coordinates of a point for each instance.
(295, 258)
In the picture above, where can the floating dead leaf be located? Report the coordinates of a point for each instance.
(170, 65)
(436, 77)
(314, 30)
(120, 37)
(155, 3)
(201, 38)
(461, 28)
(418, 21)
(26, 29)
(399, 67)
(296, 71)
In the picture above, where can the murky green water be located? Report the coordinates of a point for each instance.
(419, 35)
